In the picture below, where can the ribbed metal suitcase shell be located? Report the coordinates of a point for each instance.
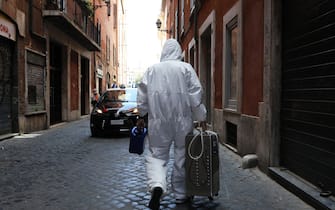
(202, 164)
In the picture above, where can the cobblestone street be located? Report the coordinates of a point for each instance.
(65, 168)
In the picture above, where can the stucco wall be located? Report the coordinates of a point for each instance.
(252, 49)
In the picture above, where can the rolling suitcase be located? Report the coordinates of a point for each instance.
(202, 164)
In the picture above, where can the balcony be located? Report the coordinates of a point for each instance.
(73, 17)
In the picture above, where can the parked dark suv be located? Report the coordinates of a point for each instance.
(115, 112)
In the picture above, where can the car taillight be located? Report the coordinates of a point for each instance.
(104, 110)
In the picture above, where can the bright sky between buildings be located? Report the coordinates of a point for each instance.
(143, 45)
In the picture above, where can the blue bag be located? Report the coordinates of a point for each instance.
(136, 143)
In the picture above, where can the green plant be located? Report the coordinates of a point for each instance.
(87, 4)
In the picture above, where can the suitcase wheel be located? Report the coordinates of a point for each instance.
(210, 198)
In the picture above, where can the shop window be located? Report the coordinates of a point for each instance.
(35, 82)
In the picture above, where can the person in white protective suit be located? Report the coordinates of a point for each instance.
(170, 93)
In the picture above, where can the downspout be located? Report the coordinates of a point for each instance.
(94, 52)
(196, 40)
(196, 12)
(177, 22)
(196, 27)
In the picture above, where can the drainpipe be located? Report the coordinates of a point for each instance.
(196, 11)
(94, 52)
(177, 22)
(196, 27)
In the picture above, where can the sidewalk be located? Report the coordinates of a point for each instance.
(251, 188)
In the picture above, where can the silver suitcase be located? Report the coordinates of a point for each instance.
(202, 164)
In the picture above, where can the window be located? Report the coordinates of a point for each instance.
(62, 5)
(232, 59)
(108, 54)
(231, 63)
(115, 60)
(35, 82)
(191, 57)
(182, 3)
(176, 24)
(115, 16)
(85, 23)
(36, 22)
(108, 80)
(98, 33)
(192, 6)
(192, 54)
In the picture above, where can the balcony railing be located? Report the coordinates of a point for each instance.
(74, 17)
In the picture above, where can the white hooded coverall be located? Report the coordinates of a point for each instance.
(169, 93)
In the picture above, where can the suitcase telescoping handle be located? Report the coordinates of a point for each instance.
(201, 133)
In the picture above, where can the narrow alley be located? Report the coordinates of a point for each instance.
(65, 168)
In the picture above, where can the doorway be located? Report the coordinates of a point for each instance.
(205, 69)
(6, 52)
(55, 83)
(308, 90)
(84, 81)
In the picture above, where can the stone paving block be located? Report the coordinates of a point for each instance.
(65, 168)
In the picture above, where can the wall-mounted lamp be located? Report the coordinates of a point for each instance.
(159, 24)
(107, 4)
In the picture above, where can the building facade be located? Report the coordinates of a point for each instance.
(106, 61)
(49, 60)
(122, 30)
(267, 69)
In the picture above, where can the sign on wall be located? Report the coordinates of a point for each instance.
(7, 28)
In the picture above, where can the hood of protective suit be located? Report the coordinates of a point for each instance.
(171, 50)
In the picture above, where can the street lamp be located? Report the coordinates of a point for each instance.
(159, 24)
